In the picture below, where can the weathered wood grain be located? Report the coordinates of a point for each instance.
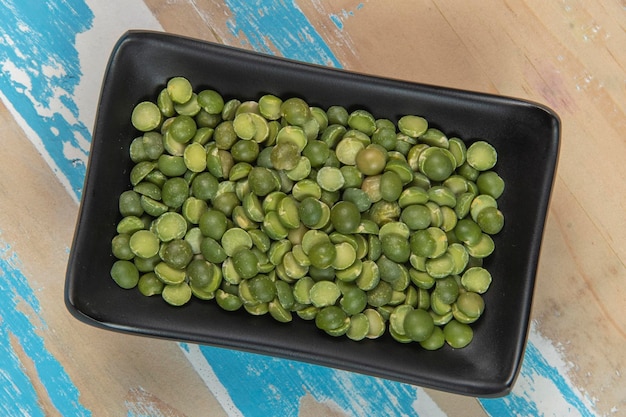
(568, 55)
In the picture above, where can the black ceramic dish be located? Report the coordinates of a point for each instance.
(527, 139)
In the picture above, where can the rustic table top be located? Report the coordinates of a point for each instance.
(569, 55)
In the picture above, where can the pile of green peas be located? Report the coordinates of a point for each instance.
(281, 208)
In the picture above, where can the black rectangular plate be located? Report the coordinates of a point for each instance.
(525, 134)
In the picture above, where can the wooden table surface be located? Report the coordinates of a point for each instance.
(569, 55)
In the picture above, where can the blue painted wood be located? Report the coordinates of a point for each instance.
(20, 339)
(40, 71)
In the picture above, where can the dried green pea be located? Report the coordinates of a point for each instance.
(150, 285)
(481, 155)
(125, 274)
(412, 126)
(177, 294)
(458, 335)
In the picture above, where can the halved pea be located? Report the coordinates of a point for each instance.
(470, 304)
(288, 213)
(131, 224)
(277, 251)
(412, 126)
(146, 116)
(179, 89)
(212, 250)
(278, 312)
(292, 268)
(144, 243)
(458, 335)
(481, 202)
(441, 195)
(359, 327)
(347, 150)
(459, 256)
(438, 306)
(468, 231)
(262, 181)
(369, 276)
(177, 294)
(435, 341)
(421, 279)
(418, 324)
(182, 128)
(301, 170)
(174, 192)
(125, 274)
(396, 247)
(330, 178)
(170, 226)
(141, 171)
(345, 256)
(463, 204)
(235, 239)
(189, 108)
(302, 290)
(371, 160)
(120, 247)
(436, 163)
(396, 320)
(481, 155)
(363, 121)
(483, 248)
(435, 137)
(345, 217)
(458, 148)
(429, 243)
(376, 326)
(211, 101)
(390, 186)
(476, 279)
(150, 285)
(331, 318)
(489, 182)
(165, 103)
(416, 216)
(193, 209)
(380, 295)
(227, 301)
(322, 254)
(490, 220)
(448, 219)
(273, 227)
(144, 188)
(441, 266)
(168, 274)
(324, 293)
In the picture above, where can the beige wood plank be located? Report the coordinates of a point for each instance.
(568, 55)
(115, 373)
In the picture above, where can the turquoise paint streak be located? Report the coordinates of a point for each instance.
(39, 71)
(266, 386)
(47, 32)
(19, 325)
(279, 27)
(524, 403)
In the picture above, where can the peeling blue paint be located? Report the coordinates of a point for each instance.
(279, 27)
(541, 391)
(39, 71)
(20, 324)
